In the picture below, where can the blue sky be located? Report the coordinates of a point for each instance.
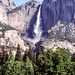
(20, 2)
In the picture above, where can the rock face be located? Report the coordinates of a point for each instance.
(60, 36)
(8, 4)
(14, 39)
(5, 6)
(21, 17)
(3, 15)
(62, 32)
(18, 17)
(15, 20)
(53, 44)
(54, 10)
(58, 19)
(10, 38)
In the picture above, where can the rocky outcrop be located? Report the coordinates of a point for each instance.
(60, 36)
(5, 6)
(3, 15)
(62, 32)
(11, 39)
(53, 44)
(54, 10)
(9, 5)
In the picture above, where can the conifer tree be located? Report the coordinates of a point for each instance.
(13, 67)
(7, 69)
(0, 57)
(73, 57)
(62, 61)
(29, 70)
(10, 52)
(39, 52)
(31, 54)
(7, 56)
(41, 64)
(49, 61)
(4, 55)
(18, 54)
(25, 55)
(40, 61)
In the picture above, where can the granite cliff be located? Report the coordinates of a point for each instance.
(10, 39)
(21, 17)
(58, 21)
(5, 6)
(54, 10)
(18, 17)
(14, 21)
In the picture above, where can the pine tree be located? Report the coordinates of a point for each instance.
(62, 61)
(31, 54)
(29, 70)
(25, 55)
(7, 56)
(39, 52)
(49, 61)
(13, 67)
(18, 54)
(4, 55)
(73, 57)
(10, 52)
(7, 69)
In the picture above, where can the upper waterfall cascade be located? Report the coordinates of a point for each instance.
(37, 30)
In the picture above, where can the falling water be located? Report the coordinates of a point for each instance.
(37, 30)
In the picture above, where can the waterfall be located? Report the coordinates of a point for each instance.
(37, 30)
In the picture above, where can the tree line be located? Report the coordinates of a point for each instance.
(60, 62)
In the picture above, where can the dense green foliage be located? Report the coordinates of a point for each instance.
(59, 62)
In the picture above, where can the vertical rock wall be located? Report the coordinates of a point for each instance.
(54, 10)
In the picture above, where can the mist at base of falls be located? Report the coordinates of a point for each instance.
(37, 30)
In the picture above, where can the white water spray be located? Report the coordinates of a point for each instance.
(37, 30)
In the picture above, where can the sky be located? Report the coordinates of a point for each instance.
(20, 2)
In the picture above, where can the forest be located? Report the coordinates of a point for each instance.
(59, 62)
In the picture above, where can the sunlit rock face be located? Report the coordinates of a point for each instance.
(3, 15)
(18, 17)
(5, 6)
(22, 17)
(53, 44)
(54, 10)
(12, 39)
(8, 4)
